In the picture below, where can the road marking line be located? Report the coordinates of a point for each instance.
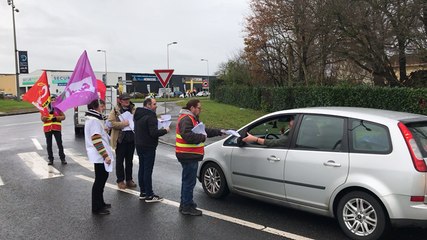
(37, 144)
(39, 166)
(19, 124)
(1, 182)
(214, 214)
(80, 159)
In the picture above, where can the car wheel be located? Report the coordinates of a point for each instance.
(213, 181)
(361, 216)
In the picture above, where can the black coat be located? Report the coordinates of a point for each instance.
(146, 129)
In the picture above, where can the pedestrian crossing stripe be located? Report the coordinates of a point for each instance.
(82, 160)
(39, 166)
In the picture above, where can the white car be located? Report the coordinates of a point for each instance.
(201, 94)
(365, 167)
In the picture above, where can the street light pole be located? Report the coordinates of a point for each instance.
(167, 54)
(105, 61)
(167, 48)
(207, 64)
(14, 9)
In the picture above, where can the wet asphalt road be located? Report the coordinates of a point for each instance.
(59, 208)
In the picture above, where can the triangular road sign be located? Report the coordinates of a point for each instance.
(164, 76)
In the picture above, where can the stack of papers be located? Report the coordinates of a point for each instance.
(127, 116)
(200, 129)
(164, 121)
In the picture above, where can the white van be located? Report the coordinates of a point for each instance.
(79, 112)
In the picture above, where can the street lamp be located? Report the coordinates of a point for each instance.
(105, 61)
(14, 9)
(167, 47)
(207, 64)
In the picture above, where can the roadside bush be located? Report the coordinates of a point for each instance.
(274, 99)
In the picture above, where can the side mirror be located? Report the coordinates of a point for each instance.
(243, 133)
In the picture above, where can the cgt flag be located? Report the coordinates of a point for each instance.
(81, 89)
(39, 95)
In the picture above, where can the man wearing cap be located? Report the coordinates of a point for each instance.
(122, 140)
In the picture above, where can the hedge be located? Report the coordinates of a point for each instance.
(274, 99)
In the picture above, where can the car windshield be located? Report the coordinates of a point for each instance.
(419, 131)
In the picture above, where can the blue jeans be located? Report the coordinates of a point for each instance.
(146, 164)
(189, 175)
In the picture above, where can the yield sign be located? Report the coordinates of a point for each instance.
(164, 76)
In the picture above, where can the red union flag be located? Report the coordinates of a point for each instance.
(39, 95)
(164, 76)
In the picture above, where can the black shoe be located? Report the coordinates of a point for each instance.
(142, 196)
(107, 205)
(101, 212)
(153, 198)
(191, 211)
(63, 161)
(50, 162)
(194, 205)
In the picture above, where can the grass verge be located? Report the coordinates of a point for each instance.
(10, 106)
(219, 115)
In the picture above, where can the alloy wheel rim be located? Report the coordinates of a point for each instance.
(212, 180)
(360, 217)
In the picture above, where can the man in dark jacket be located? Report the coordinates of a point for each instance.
(146, 140)
(189, 151)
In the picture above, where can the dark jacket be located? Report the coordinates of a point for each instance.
(146, 128)
(185, 126)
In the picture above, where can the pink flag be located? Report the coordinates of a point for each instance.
(81, 89)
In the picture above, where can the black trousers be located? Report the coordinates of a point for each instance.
(124, 153)
(101, 177)
(58, 138)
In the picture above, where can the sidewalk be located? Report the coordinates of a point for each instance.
(18, 112)
(173, 110)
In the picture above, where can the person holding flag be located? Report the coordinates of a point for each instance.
(39, 96)
(52, 127)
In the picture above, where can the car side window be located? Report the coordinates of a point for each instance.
(368, 137)
(319, 132)
(276, 128)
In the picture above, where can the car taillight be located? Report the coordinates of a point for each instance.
(417, 198)
(417, 158)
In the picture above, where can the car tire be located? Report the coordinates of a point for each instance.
(362, 210)
(213, 181)
(78, 131)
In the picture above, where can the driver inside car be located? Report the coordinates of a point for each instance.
(270, 142)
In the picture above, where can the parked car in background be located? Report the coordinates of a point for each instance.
(177, 93)
(202, 94)
(365, 167)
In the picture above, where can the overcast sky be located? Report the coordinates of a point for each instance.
(135, 33)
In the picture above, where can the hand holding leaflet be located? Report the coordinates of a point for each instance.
(164, 121)
(232, 132)
(200, 129)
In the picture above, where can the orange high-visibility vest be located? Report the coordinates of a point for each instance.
(181, 146)
(51, 125)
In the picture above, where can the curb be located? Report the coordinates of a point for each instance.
(3, 114)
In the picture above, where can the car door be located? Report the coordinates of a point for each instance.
(318, 160)
(257, 168)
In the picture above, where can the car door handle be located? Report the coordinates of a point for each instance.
(273, 158)
(331, 163)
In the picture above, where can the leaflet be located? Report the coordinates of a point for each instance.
(127, 116)
(200, 129)
(164, 121)
(232, 132)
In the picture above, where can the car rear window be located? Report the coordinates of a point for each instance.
(419, 132)
(369, 137)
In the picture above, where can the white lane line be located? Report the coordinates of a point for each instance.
(1, 182)
(19, 124)
(37, 144)
(82, 160)
(39, 166)
(214, 214)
